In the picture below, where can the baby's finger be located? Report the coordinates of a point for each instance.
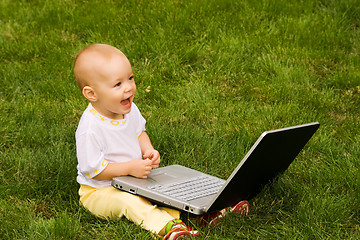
(147, 162)
(149, 155)
(155, 154)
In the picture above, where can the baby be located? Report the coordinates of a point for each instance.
(111, 141)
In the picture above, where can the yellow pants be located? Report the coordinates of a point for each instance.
(112, 203)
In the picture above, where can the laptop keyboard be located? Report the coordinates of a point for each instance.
(192, 188)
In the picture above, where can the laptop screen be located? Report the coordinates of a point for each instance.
(271, 155)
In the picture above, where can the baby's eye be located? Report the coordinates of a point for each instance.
(131, 78)
(118, 84)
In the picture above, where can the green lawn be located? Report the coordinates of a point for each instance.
(220, 73)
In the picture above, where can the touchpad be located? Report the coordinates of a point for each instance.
(161, 177)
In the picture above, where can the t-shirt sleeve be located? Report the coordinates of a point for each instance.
(140, 120)
(90, 155)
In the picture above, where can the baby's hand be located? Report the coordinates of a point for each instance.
(154, 156)
(141, 168)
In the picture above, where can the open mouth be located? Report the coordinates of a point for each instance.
(126, 102)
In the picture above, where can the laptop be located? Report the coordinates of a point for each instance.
(198, 193)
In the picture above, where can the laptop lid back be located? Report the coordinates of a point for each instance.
(271, 155)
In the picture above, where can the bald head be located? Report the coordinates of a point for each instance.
(91, 61)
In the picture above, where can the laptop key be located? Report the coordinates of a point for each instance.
(192, 188)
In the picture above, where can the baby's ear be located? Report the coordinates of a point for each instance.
(89, 94)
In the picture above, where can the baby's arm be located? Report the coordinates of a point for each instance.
(137, 167)
(148, 150)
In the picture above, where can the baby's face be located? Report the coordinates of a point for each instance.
(114, 87)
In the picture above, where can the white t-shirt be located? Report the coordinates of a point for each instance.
(100, 140)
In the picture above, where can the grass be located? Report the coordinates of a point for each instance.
(220, 73)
